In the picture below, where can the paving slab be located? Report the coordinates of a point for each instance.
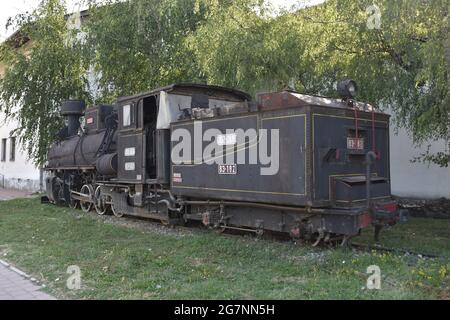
(14, 286)
(9, 194)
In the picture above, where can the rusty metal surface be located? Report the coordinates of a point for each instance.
(290, 99)
(189, 88)
(279, 100)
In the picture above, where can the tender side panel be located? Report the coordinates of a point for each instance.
(246, 181)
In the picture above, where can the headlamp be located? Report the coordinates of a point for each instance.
(347, 89)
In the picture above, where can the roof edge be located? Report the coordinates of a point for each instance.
(243, 95)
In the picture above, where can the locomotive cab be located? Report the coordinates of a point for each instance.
(137, 140)
(144, 127)
(140, 142)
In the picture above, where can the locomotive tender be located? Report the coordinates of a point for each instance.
(313, 167)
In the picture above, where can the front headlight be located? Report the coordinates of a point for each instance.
(347, 89)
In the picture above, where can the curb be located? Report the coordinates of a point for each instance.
(18, 271)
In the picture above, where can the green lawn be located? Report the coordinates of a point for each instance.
(122, 262)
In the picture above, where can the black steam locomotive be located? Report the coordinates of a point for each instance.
(314, 167)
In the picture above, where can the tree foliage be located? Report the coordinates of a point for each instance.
(41, 74)
(402, 62)
(139, 44)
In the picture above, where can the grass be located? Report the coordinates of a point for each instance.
(148, 262)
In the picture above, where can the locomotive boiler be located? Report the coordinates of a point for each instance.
(313, 167)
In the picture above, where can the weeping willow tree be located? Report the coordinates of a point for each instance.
(137, 45)
(43, 66)
(397, 51)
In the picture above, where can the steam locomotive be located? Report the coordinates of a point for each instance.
(309, 166)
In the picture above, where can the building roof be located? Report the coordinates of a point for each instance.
(19, 38)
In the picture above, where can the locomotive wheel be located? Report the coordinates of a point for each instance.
(87, 190)
(61, 200)
(115, 211)
(73, 204)
(100, 201)
(221, 229)
(58, 193)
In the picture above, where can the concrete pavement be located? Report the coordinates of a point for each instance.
(14, 286)
(8, 194)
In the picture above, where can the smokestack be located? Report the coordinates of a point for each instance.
(72, 110)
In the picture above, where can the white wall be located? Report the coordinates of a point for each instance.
(21, 173)
(416, 180)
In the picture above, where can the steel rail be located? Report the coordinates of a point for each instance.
(367, 247)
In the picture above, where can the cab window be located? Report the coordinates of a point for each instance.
(126, 115)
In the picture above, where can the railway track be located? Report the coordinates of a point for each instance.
(284, 238)
(367, 247)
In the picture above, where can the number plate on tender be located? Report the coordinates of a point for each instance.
(227, 169)
(355, 143)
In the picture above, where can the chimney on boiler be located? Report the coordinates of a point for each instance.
(72, 110)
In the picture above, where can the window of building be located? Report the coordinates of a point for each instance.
(12, 149)
(3, 155)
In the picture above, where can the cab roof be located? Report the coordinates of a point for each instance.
(190, 88)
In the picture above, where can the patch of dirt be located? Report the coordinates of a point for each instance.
(444, 295)
(318, 257)
(197, 262)
(143, 225)
(290, 280)
(437, 209)
(4, 250)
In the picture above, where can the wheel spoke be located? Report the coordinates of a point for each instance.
(86, 205)
(116, 212)
(99, 201)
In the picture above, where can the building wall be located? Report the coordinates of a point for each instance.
(19, 174)
(416, 180)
